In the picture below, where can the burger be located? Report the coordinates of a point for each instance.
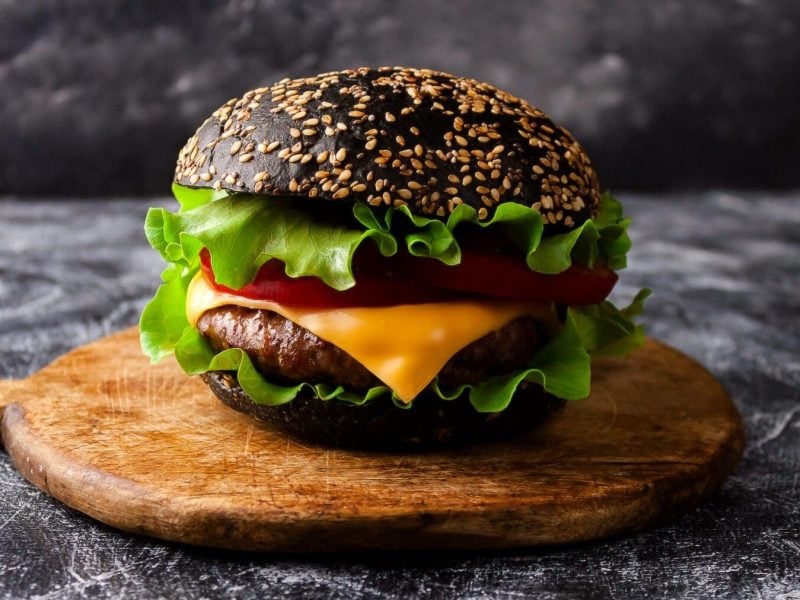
(388, 257)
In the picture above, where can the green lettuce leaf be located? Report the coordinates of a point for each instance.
(606, 330)
(190, 198)
(243, 231)
(163, 319)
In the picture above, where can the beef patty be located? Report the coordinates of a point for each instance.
(286, 352)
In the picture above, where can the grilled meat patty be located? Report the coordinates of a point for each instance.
(286, 352)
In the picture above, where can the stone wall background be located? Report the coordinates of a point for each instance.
(97, 96)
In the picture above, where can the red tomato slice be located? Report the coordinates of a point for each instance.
(509, 277)
(273, 284)
(404, 279)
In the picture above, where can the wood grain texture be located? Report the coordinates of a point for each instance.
(145, 449)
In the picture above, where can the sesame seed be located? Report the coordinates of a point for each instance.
(371, 143)
(245, 158)
(341, 153)
(345, 175)
(322, 156)
(235, 147)
(389, 117)
(341, 193)
(404, 193)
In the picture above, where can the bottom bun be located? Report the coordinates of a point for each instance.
(381, 425)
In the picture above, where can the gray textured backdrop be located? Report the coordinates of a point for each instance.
(97, 96)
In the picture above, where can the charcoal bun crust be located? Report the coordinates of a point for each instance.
(394, 136)
(380, 425)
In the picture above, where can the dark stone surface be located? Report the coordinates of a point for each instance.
(663, 94)
(725, 268)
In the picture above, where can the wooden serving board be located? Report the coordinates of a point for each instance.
(148, 450)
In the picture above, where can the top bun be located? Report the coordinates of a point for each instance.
(394, 136)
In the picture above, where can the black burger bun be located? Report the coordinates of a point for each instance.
(381, 425)
(394, 136)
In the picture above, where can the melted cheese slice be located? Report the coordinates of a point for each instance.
(404, 346)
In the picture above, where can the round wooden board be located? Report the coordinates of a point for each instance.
(148, 450)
